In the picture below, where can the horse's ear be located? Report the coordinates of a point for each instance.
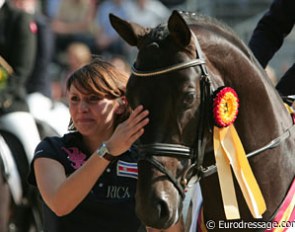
(130, 32)
(179, 29)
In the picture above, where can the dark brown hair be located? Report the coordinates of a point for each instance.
(103, 79)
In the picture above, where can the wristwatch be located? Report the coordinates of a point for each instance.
(103, 152)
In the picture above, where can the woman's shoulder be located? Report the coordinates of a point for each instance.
(53, 144)
(66, 138)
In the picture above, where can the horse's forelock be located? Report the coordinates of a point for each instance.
(157, 34)
(152, 43)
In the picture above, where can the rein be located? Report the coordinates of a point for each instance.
(272, 144)
(195, 154)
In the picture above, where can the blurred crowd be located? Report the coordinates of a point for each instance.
(71, 31)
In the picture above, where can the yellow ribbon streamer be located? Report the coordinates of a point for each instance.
(229, 151)
(289, 108)
(228, 193)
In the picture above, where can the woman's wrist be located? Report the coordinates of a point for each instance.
(113, 150)
(104, 152)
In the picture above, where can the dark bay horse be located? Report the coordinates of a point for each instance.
(178, 70)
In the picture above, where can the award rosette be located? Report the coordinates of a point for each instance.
(229, 153)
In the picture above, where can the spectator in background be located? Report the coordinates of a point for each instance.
(107, 39)
(148, 13)
(77, 55)
(120, 63)
(74, 22)
(39, 80)
(50, 7)
(268, 37)
(18, 47)
(38, 86)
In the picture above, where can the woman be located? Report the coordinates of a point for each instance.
(87, 177)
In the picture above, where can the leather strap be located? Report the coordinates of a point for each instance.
(109, 157)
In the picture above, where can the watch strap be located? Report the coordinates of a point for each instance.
(108, 157)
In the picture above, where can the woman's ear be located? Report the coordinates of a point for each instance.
(122, 105)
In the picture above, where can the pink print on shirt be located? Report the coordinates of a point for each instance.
(76, 157)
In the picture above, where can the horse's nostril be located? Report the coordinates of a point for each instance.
(163, 210)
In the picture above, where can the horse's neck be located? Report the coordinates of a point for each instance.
(262, 117)
(253, 86)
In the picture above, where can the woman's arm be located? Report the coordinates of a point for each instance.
(62, 194)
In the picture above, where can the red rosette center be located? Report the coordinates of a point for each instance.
(225, 107)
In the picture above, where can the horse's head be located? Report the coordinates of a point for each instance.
(171, 80)
(166, 80)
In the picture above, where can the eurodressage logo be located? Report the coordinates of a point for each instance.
(127, 169)
(269, 226)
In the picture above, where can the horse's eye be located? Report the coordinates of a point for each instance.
(189, 98)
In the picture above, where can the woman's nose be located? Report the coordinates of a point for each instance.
(83, 106)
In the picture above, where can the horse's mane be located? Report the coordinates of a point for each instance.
(205, 20)
(217, 26)
(198, 20)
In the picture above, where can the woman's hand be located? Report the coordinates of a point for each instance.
(128, 132)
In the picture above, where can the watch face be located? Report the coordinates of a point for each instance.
(102, 150)
(104, 153)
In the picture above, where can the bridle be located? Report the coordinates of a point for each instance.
(180, 151)
(196, 154)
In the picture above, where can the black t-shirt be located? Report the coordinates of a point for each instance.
(109, 207)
